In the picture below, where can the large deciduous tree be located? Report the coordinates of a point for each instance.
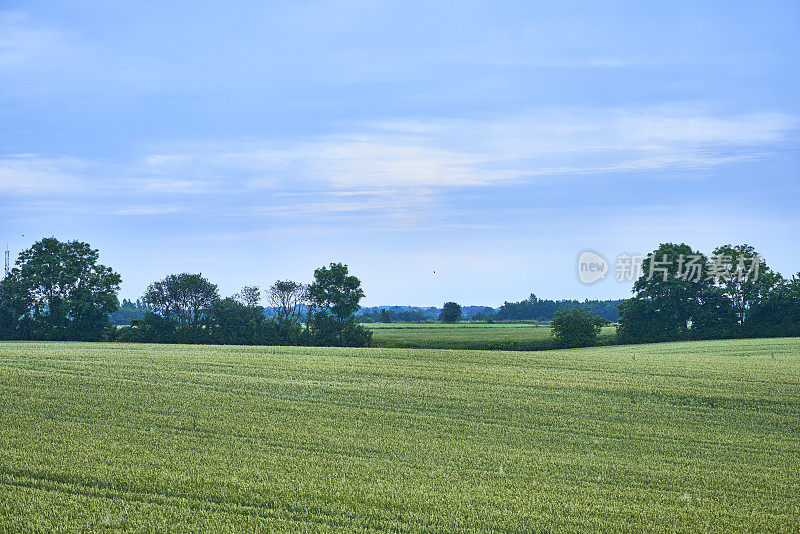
(287, 299)
(184, 299)
(667, 295)
(451, 312)
(336, 294)
(248, 296)
(743, 275)
(58, 290)
(777, 311)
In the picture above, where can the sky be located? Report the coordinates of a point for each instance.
(465, 151)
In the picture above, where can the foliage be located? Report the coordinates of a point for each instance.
(641, 323)
(184, 299)
(287, 299)
(743, 279)
(715, 317)
(128, 311)
(328, 331)
(451, 312)
(672, 288)
(736, 295)
(249, 296)
(534, 308)
(233, 323)
(577, 327)
(776, 312)
(335, 292)
(58, 291)
(336, 295)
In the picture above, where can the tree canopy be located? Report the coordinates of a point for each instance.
(58, 290)
(335, 291)
(577, 327)
(451, 312)
(185, 299)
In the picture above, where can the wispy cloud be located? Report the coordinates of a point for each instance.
(402, 169)
(144, 210)
(475, 152)
(28, 174)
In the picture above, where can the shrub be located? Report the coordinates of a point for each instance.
(577, 327)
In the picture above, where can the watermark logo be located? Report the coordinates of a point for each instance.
(717, 269)
(591, 267)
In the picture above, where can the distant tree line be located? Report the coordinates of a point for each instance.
(530, 309)
(681, 294)
(58, 291)
(537, 309)
(128, 311)
(398, 314)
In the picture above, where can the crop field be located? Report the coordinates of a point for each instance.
(701, 436)
(468, 336)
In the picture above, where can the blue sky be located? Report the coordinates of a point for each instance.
(489, 142)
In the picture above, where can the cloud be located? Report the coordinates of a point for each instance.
(402, 170)
(144, 210)
(30, 174)
(439, 154)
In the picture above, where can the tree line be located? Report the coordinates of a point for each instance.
(58, 291)
(682, 294)
(529, 309)
(537, 309)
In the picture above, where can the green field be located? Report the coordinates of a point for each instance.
(701, 436)
(468, 336)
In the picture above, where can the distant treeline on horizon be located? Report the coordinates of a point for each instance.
(530, 309)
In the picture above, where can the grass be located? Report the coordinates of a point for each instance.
(468, 336)
(701, 436)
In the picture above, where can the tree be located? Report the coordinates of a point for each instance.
(577, 327)
(385, 316)
(666, 296)
(287, 298)
(127, 312)
(743, 275)
(451, 312)
(640, 323)
(249, 296)
(777, 312)
(336, 294)
(715, 317)
(335, 291)
(233, 323)
(674, 276)
(183, 299)
(57, 290)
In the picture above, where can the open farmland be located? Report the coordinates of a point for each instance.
(502, 336)
(681, 436)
